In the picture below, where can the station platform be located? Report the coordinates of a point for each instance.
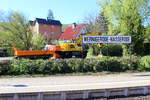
(74, 87)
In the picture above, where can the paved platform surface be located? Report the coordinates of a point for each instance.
(66, 83)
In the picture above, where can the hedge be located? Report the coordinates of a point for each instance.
(112, 50)
(63, 66)
(144, 63)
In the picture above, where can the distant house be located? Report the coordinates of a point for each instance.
(51, 29)
(73, 31)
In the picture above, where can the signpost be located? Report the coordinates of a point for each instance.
(106, 39)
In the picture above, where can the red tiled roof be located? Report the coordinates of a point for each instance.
(71, 33)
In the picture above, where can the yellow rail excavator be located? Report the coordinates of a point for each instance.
(65, 49)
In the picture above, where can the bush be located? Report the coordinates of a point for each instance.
(144, 63)
(5, 67)
(146, 48)
(122, 64)
(22, 66)
(112, 50)
(94, 50)
(74, 65)
(62, 66)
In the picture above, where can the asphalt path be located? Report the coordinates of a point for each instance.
(65, 83)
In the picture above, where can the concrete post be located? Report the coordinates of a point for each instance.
(15, 97)
(63, 96)
(126, 92)
(107, 93)
(40, 96)
(145, 90)
(85, 94)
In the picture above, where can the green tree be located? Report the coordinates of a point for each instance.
(126, 17)
(16, 32)
(147, 22)
(147, 37)
(50, 15)
(38, 42)
(96, 23)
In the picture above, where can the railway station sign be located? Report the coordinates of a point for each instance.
(106, 39)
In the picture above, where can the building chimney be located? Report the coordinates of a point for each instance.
(74, 25)
(48, 18)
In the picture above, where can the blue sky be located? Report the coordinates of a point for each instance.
(67, 11)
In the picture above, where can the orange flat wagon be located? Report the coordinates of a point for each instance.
(34, 54)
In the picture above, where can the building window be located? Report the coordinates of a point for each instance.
(52, 26)
(52, 32)
(45, 27)
(45, 33)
